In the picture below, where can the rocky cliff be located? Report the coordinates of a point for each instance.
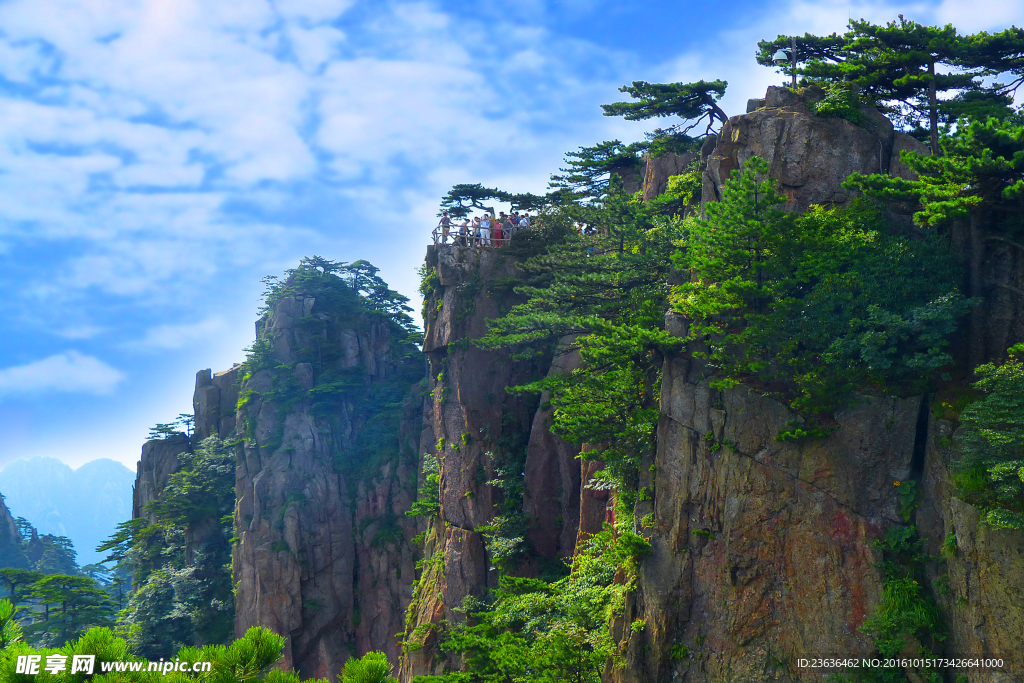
(764, 552)
(11, 554)
(325, 472)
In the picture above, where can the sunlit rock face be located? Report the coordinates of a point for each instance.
(323, 554)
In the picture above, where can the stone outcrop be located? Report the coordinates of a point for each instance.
(976, 573)
(474, 426)
(762, 549)
(483, 433)
(158, 462)
(808, 155)
(552, 477)
(214, 403)
(657, 171)
(323, 556)
(11, 553)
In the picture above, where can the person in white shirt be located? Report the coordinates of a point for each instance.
(485, 231)
(524, 222)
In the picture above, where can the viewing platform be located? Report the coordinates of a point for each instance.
(476, 236)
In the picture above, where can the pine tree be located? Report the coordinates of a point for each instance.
(975, 192)
(693, 102)
(905, 68)
(71, 605)
(588, 172)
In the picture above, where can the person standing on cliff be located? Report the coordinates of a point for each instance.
(475, 237)
(464, 232)
(445, 224)
(485, 231)
(509, 228)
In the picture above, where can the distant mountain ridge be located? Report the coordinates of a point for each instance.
(84, 504)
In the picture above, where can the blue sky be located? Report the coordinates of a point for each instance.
(158, 157)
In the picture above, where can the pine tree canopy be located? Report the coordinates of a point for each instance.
(693, 102)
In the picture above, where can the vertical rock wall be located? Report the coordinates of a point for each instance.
(11, 554)
(763, 550)
(159, 460)
(477, 428)
(323, 556)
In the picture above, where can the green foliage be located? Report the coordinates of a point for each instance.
(587, 173)
(532, 630)
(182, 593)
(608, 293)
(918, 75)
(346, 289)
(990, 445)
(950, 548)
(840, 101)
(907, 492)
(982, 170)
(18, 583)
(809, 307)
(694, 102)
(373, 667)
(682, 195)
(428, 499)
(906, 610)
(464, 196)
(51, 554)
(10, 630)
(70, 605)
(166, 430)
(245, 660)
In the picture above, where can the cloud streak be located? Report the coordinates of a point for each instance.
(68, 372)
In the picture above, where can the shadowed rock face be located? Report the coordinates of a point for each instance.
(479, 426)
(323, 556)
(11, 555)
(762, 550)
(552, 476)
(158, 462)
(215, 401)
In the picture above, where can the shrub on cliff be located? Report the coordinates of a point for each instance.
(991, 444)
(373, 667)
(532, 630)
(810, 307)
(179, 599)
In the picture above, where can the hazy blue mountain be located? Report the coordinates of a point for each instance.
(84, 504)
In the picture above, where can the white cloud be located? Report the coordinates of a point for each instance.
(68, 372)
(81, 331)
(165, 337)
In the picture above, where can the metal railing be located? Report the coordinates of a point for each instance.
(470, 236)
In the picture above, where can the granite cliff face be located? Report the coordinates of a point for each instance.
(763, 551)
(11, 554)
(323, 554)
(470, 423)
(808, 155)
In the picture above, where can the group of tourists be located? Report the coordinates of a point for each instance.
(482, 231)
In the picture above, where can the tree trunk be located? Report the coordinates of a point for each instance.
(933, 110)
(976, 252)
